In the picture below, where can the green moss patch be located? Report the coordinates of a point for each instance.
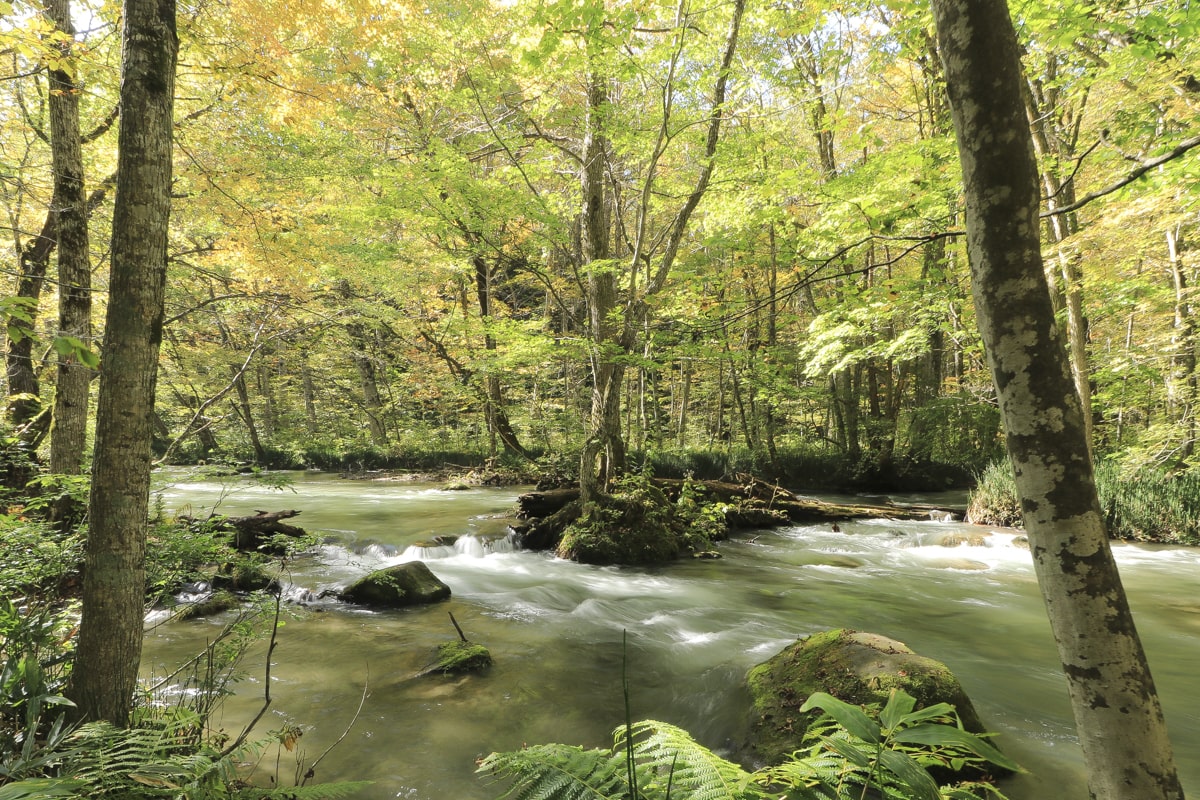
(457, 657)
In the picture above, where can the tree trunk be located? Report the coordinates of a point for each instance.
(1056, 148)
(247, 414)
(1117, 712)
(22, 377)
(685, 400)
(110, 629)
(69, 432)
(368, 380)
(603, 445)
(1182, 384)
(612, 339)
(308, 390)
(498, 421)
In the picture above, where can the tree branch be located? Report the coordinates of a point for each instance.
(1140, 170)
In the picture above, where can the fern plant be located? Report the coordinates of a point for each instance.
(891, 754)
(853, 755)
(667, 763)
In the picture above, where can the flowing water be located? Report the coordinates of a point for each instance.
(693, 629)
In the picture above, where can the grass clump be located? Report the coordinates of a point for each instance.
(994, 499)
(1149, 505)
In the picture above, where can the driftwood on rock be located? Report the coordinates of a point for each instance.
(249, 532)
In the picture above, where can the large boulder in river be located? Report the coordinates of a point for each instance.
(408, 584)
(856, 667)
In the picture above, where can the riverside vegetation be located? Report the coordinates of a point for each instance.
(173, 749)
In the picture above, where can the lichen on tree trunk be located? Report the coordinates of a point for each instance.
(1117, 712)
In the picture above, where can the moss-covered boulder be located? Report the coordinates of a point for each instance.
(856, 667)
(408, 584)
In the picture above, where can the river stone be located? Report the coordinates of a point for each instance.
(408, 584)
(856, 667)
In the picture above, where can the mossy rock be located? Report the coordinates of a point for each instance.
(216, 603)
(457, 657)
(856, 667)
(408, 584)
(245, 576)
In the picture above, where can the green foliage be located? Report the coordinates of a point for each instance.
(162, 758)
(179, 553)
(893, 752)
(16, 314)
(47, 490)
(169, 751)
(38, 558)
(667, 762)
(958, 430)
(854, 751)
(34, 667)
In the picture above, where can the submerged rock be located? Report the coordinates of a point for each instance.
(856, 667)
(407, 584)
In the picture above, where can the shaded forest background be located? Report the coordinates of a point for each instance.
(378, 256)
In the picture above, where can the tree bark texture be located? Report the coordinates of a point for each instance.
(1117, 712)
(69, 432)
(110, 631)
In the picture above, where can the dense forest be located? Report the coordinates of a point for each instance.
(834, 245)
(376, 248)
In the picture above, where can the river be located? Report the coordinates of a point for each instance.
(693, 629)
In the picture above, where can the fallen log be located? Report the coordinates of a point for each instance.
(750, 504)
(751, 497)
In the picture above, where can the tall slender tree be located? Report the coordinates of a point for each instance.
(69, 433)
(110, 631)
(1117, 711)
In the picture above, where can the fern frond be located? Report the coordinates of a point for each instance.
(559, 772)
(666, 753)
(816, 776)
